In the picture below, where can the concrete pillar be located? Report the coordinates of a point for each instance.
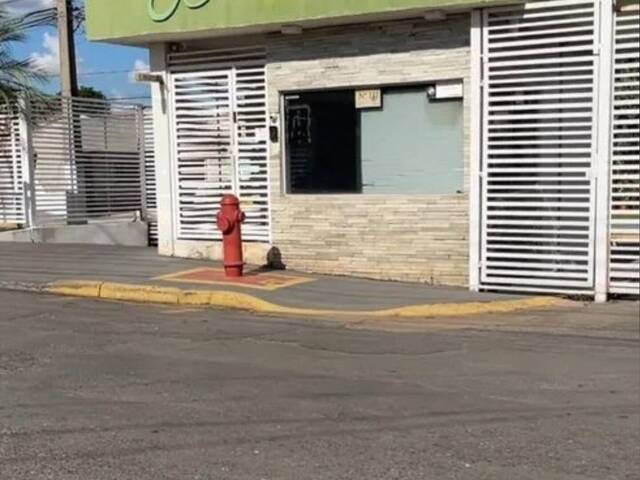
(475, 163)
(603, 151)
(165, 180)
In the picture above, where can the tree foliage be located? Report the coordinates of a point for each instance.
(17, 75)
(90, 92)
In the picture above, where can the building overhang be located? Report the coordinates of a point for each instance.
(140, 22)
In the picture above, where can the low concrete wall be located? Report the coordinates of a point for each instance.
(127, 234)
(415, 239)
(5, 226)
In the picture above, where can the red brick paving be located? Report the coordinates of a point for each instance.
(252, 279)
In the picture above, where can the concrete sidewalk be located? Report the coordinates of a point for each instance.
(139, 274)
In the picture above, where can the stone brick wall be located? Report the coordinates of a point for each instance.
(399, 237)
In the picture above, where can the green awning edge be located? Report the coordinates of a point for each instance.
(129, 20)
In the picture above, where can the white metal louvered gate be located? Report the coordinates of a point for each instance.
(624, 269)
(539, 74)
(220, 144)
(558, 188)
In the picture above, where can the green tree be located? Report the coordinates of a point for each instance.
(19, 76)
(90, 92)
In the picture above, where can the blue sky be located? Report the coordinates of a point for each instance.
(105, 67)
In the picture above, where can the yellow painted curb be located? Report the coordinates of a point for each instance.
(243, 301)
(139, 293)
(194, 298)
(473, 308)
(77, 289)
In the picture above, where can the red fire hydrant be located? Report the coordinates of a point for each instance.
(230, 219)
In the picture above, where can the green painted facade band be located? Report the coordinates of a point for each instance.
(142, 19)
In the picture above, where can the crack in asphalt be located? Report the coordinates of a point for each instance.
(343, 351)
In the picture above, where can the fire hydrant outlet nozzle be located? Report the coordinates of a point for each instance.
(224, 225)
(229, 221)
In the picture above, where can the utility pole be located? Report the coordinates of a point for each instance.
(76, 201)
(68, 68)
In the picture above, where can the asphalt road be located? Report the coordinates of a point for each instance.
(94, 391)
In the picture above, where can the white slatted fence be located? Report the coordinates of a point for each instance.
(12, 206)
(87, 161)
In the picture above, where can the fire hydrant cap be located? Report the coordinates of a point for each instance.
(229, 200)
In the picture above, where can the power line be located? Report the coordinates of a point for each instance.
(80, 74)
(11, 2)
(106, 72)
(130, 98)
(97, 73)
(76, 11)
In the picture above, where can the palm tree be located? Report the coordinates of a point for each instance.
(18, 76)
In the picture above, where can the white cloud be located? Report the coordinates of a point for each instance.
(48, 61)
(24, 6)
(116, 94)
(138, 66)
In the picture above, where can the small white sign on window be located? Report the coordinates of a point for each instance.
(371, 98)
